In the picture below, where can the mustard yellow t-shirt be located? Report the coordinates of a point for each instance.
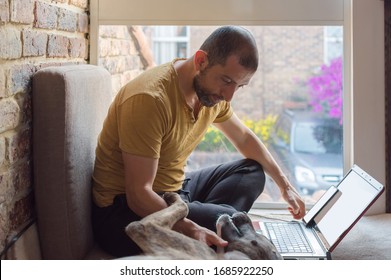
(149, 117)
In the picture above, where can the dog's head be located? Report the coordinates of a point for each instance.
(243, 241)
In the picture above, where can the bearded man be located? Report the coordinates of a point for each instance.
(152, 127)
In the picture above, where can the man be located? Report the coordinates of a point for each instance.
(153, 125)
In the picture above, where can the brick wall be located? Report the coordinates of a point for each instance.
(123, 53)
(295, 56)
(33, 34)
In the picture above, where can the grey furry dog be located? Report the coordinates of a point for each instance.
(154, 235)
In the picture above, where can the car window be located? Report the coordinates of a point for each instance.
(317, 139)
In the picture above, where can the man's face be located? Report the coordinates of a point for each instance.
(217, 83)
(205, 96)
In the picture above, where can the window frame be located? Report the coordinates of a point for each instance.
(363, 51)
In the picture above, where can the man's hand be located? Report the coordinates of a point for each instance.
(197, 232)
(209, 237)
(296, 204)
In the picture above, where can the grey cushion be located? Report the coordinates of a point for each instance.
(69, 106)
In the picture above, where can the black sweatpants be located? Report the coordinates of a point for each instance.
(209, 193)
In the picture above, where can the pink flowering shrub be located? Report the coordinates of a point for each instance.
(325, 90)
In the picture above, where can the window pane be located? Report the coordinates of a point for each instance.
(293, 103)
(169, 42)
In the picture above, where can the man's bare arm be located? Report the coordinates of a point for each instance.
(140, 173)
(251, 147)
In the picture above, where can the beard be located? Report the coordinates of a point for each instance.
(205, 96)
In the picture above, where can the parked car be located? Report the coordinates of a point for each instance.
(309, 148)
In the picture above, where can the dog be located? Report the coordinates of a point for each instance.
(154, 235)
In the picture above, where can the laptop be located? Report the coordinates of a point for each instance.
(328, 221)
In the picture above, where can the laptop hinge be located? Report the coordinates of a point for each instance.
(323, 240)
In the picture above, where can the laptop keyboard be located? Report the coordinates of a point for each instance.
(288, 237)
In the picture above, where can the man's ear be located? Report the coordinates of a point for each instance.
(200, 60)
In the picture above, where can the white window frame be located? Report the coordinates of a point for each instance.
(363, 24)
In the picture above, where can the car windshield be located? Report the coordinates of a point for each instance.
(317, 138)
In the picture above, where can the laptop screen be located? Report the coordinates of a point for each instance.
(356, 193)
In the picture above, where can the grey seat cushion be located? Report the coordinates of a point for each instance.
(69, 106)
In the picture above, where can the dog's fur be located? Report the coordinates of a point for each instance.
(154, 235)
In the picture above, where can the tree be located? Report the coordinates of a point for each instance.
(325, 90)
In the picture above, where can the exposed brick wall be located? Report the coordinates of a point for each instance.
(296, 56)
(33, 34)
(119, 54)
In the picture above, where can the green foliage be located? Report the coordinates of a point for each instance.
(215, 141)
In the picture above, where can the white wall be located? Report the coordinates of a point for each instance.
(368, 90)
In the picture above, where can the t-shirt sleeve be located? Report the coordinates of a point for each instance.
(225, 112)
(141, 126)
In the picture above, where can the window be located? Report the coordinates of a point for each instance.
(169, 42)
(333, 42)
(291, 57)
(362, 67)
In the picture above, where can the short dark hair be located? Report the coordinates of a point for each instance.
(231, 40)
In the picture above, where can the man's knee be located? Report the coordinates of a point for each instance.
(255, 169)
(255, 177)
